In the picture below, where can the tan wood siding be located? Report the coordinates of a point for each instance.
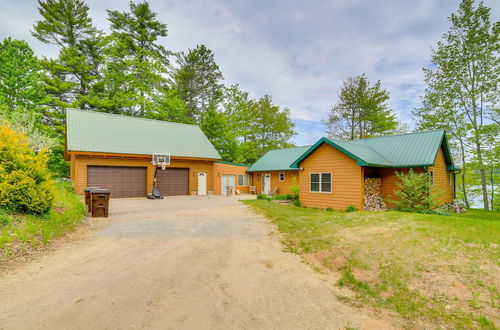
(82, 161)
(347, 179)
(442, 188)
(228, 169)
(283, 187)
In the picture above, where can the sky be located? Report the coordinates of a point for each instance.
(299, 52)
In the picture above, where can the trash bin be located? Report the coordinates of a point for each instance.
(100, 203)
(88, 197)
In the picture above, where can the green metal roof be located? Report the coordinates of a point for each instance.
(231, 163)
(278, 160)
(403, 150)
(103, 132)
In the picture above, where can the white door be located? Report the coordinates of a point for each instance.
(227, 181)
(266, 184)
(202, 183)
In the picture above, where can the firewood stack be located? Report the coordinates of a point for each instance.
(373, 197)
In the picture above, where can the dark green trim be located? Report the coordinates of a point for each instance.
(231, 163)
(296, 163)
(278, 170)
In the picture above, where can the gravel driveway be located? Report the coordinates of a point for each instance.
(178, 263)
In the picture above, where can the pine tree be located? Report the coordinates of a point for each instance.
(362, 111)
(137, 63)
(198, 80)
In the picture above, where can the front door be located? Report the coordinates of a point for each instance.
(202, 183)
(227, 184)
(266, 184)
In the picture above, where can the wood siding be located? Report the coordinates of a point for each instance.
(283, 187)
(347, 180)
(227, 169)
(79, 163)
(444, 192)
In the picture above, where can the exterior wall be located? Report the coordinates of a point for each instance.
(283, 187)
(442, 187)
(441, 183)
(227, 169)
(80, 162)
(347, 180)
(389, 182)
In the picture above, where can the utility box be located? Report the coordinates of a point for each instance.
(88, 197)
(100, 203)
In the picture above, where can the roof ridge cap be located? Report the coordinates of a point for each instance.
(401, 134)
(132, 117)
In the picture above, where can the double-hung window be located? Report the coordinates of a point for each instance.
(243, 180)
(282, 177)
(431, 177)
(320, 182)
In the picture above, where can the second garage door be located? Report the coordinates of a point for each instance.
(173, 181)
(122, 181)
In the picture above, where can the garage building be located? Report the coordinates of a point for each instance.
(115, 152)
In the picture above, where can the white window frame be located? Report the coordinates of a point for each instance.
(284, 177)
(321, 182)
(451, 178)
(248, 180)
(431, 177)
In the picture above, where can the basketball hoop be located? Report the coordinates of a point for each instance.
(161, 159)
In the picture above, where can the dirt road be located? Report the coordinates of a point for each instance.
(180, 263)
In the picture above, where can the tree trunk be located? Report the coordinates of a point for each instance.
(481, 171)
(464, 190)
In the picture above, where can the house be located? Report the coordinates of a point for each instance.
(273, 172)
(332, 173)
(115, 152)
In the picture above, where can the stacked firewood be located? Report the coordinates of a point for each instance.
(373, 198)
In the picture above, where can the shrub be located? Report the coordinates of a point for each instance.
(284, 197)
(261, 196)
(329, 209)
(350, 208)
(297, 203)
(295, 188)
(25, 183)
(414, 193)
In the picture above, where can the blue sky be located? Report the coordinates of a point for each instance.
(297, 51)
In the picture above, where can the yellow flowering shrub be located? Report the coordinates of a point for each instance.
(25, 182)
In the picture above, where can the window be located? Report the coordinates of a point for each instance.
(282, 177)
(243, 180)
(431, 177)
(450, 179)
(320, 182)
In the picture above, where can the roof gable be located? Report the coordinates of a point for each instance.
(404, 150)
(278, 159)
(90, 131)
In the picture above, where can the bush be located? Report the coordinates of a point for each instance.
(295, 188)
(329, 209)
(350, 208)
(297, 203)
(414, 193)
(25, 184)
(261, 196)
(287, 197)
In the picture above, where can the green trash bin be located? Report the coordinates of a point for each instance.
(100, 203)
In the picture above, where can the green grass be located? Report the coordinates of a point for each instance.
(19, 232)
(440, 270)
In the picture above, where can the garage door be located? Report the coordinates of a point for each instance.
(122, 181)
(173, 181)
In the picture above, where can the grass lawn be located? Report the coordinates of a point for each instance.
(428, 270)
(21, 232)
